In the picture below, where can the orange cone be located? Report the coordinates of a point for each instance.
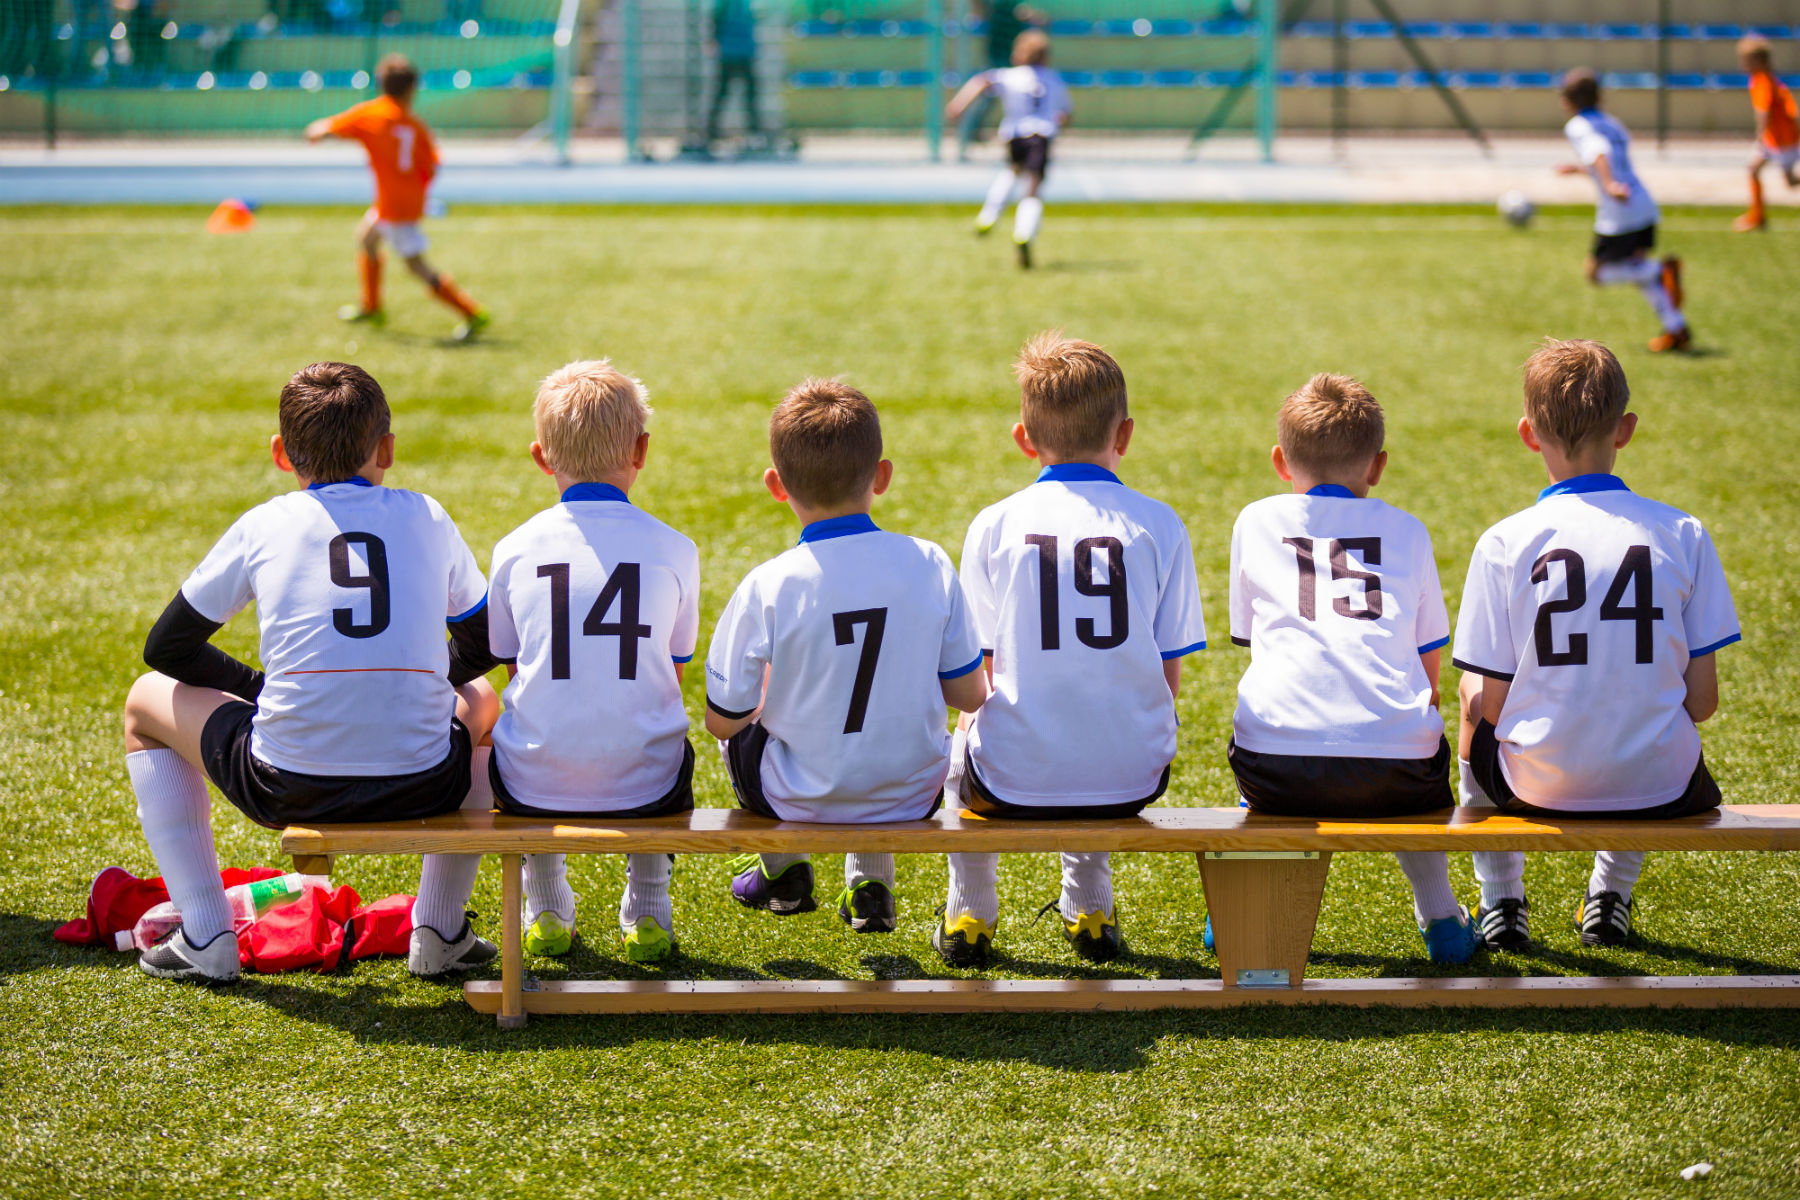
(232, 216)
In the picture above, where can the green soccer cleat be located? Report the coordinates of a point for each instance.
(466, 331)
(868, 907)
(648, 942)
(374, 318)
(550, 935)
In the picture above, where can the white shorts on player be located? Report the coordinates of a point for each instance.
(1785, 157)
(406, 237)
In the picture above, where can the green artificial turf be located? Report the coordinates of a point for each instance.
(139, 369)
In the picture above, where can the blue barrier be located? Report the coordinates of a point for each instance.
(1360, 30)
(1303, 80)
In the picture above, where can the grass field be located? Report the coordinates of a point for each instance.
(138, 374)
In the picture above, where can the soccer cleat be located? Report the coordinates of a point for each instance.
(466, 330)
(375, 318)
(429, 956)
(177, 958)
(1681, 339)
(984, 225)
(649, 942)
(1094, 935)
(1671, 279)
(549, 935)
(785, 895)
(868, 907)
(963, 943)
(1024, 255)
(1206, 936)
(1604, 919)
(1750, 222)
(1451, 941)
(1506, 926)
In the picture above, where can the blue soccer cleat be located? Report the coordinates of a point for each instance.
(786, 894)
(1206, 936)
(1451, 941)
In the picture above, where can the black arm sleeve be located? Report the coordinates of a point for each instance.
(179, 647)
(470, 657)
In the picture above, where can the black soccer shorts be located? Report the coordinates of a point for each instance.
(1702, 794)
(1310, 785)
(978, 799)
(1031, 155)
(678, 799)
(1618, 247)
(743, 762)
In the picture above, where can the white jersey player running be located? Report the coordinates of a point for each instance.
(1035, 106)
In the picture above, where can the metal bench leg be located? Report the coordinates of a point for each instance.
(1264, 906)
(313, 864)
(512, 942)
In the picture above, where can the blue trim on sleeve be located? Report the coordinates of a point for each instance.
(1335, 490)
(947, 676)
(837, 527)
(1703, 651)
(1428, 647)
(459, 618)
(1576, 485)
(356, 480)
(683, 659)
(594, 491)
(1184, 651)
(1076, 473)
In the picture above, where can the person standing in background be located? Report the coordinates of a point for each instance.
(1005, 22)
(734, 34)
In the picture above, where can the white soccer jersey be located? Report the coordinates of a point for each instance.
(1591, 603)
(353, 584)
(597, 601)
(1032, 101)
(856, 629)
(1337, 597)
(1593, 133)
(1080, 588)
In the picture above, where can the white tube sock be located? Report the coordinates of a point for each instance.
(1086, 884)
(1663, 305)
(1429, 873)
(647, 891)
(445, 884)
(1633, 270)
(1616, 871)
(1501, 873)
(974, 888)
(547, 887)
(176, 815)
(859, 867)
(1026, 220)
(999, 195)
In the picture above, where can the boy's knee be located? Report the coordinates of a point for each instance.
(1468, 692)
(481, 705)
(148, 697)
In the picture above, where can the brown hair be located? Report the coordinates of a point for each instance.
(1330, 425)
(397, 76)
(589, 416)
(333, 415)
(1754, 49)
(1072, 395)
(1581, 88)
(1575, 391)
(825, 439)
(1031, 49)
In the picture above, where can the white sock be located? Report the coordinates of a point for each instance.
(859, 867)
(647, 891)
(1663, 305)
(1633, 270)
(547, 888)
(1615, 871)
(177, 818)
(1501, 873)
(481, 784)
(998, 197)
(974, 888)
(959, 761)
(1025, 221)
(1086, 884)
(445, 884)
(775, 864)
(1429, 873)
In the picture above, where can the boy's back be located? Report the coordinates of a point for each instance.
(1032, 101)
(1593, 133)
(1591, 603)
(1081, 588)
(401, 154)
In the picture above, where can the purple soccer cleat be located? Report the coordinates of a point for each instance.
(788, 893)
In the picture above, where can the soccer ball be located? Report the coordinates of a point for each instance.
(1517, 209)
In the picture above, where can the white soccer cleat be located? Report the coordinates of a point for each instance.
(177, 958)
(429, 956)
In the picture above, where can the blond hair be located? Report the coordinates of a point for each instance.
(1031, 49)
(589, 416)
(1754, 49)
(1330, 425)
(1071, 395)
(825, 440)
(1575, 392)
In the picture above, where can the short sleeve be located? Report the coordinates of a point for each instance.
(1180, 626)
(219, 588)
(1589, 143)
(977, 576)
(1484, 641)
(961, 650)
(738, 656)
(468, 588)
(1762, 95)
(1239, 596)
(503, 631)
(349, 123)
(425, 157)
(686, 634)
(1432, 628)
(1709, 618)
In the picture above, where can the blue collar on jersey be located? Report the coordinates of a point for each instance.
(837, 527)
(1076, 473)
(1575, 485)
(357, 480)
(1335, 490)
(594, 491)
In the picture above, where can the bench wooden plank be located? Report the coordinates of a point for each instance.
(1125, 995)
(1179, 830)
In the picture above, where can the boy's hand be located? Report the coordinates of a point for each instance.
(1617, 190)
(1569, 168)
(319, 130)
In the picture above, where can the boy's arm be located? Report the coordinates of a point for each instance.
(470, 655)
(1709, 622)
(179, 646)
(1702, 679)
(1433, 662)
(319, 130)
(426, 156)
(1172, 676)
(1608, 184)
(977, 84)
(966, 693)
(737, 664)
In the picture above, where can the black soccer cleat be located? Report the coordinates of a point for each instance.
(1604, 919)
(966, 944)
(868, 907)
(1025, 255)
(1506, 926)
(1094, 935)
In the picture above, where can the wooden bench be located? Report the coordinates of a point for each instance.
(1263, 878)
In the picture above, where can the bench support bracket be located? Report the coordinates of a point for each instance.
(1264, 905)
(512, 942)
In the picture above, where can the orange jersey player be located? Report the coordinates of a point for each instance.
(1777, 128)
(403, 159)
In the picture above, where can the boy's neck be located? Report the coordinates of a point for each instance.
(618, 479)
(808, 515)
(1587, 460)
(1358, 487)
(1107, 461)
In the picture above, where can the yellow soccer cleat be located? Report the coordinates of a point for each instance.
(648, 942)
(550, 935)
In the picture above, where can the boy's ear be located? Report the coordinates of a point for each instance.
(537, 456)
(772, 481)
(384, 452)
(1281, 464)
(1529, 436)
(884, 475)
(278, 452)
(641, 451)
(1024, 440)
(1627, 427)
(1122, 436)
(1377, 465)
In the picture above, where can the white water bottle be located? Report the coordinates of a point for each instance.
(248, 901)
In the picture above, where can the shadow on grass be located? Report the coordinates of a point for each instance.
(26, 945)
